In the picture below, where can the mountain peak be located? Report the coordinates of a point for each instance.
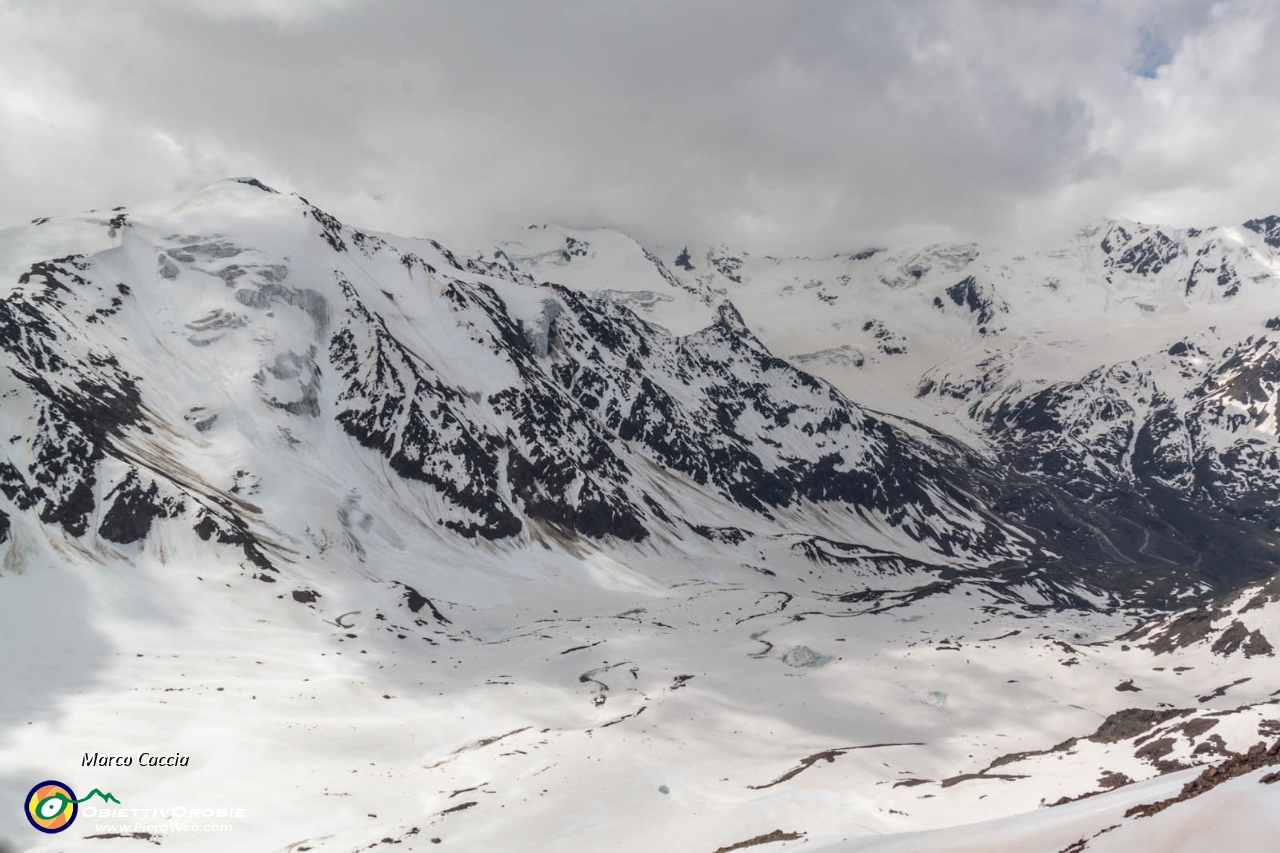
(253, 182)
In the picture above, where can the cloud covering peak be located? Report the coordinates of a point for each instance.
(774, 126)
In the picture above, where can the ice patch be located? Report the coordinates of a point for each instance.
(803, 656)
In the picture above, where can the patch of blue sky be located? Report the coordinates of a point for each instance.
(1153, 53)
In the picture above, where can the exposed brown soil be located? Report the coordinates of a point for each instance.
(459, 807)
(140, 836)
(767, 838)
(969, 777)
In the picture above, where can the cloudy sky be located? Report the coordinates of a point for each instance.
(768, 125)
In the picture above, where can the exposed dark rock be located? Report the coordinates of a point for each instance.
(134, 508)
(1194, 729)
(254, 182)
(415, 601)
(1112, 779)
(1258, 756)
(1257, 644)
(232, 531)
(1212, 745)
(1155, 752)
(767, 838)
(1231, 639)
(828, 755)
(1221, 691)
(330, 227)
(1147, 256)
(1268, 227)
(574, 248)
(728, 266)
(1131, 722)
(967, 293)
(393, 404)
(725, 535)
(970, 777)
(1191, 627)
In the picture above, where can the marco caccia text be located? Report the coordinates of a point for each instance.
(146, 759)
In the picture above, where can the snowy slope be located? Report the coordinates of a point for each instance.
(576, 715)
(552, 549)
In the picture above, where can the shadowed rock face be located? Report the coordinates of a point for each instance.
(983, 306)
(1268, 227)
(1176, 472)
(132, 509)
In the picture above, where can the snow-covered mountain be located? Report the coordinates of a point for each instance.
(512, 411)
(1134, 369)
(545, 545)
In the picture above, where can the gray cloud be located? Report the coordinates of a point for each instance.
(804, 126)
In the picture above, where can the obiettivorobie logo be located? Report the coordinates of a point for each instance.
(52, 806)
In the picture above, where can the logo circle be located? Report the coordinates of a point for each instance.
(51, 806)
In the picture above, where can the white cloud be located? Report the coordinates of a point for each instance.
(807, 126)
(289, 12)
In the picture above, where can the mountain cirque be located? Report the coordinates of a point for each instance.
(574, 540)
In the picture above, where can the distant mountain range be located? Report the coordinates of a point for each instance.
(1114, 398)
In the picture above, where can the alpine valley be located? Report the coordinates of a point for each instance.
(564, 542)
